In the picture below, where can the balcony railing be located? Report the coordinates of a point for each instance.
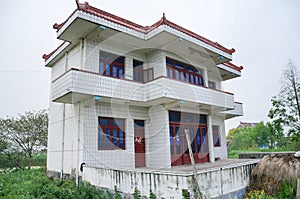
(82, 82)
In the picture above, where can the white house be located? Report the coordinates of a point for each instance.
(122, 95)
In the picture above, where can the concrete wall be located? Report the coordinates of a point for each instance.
(219, 182)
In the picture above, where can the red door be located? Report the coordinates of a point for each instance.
(178, 144)
(139, 143)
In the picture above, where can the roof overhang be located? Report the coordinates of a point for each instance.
(81, 23)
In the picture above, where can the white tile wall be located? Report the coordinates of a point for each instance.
(110, 158)
(220, 152)
(157, 139)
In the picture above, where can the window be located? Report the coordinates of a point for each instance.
(111, 134)
(184, 72)
(211, 84)
(148, 75)
(216, 135)
(138, 74)
(111, 65)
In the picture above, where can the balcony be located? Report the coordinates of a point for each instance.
(76, 85)
(237, 111)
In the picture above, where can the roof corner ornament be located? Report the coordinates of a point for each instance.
(77, 3)
(55, 26)
(45, 56)
(82, 6)
(164, 19)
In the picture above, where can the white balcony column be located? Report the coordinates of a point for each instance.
(210, 139)
(128, 67)
(82, 53)
(205, 77)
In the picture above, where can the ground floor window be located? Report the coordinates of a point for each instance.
(216, 135)
(196, 126)
(111, 133)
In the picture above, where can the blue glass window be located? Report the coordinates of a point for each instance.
(121, 73)
(202, 119)
(174, 116)
(187, 77)
(107, 138)
(110, 133)
(192, 137)
(100, 138)
(101, 68)
(104, 122)
(111, 65)
(107, 70)
(171, 141)
(115, 138)
(122, 140)
(115, 69)
(204, 140)
(178, 151)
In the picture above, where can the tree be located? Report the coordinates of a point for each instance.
(241, 139)
(24, 134)
(285, 112)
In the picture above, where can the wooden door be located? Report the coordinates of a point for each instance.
(139, 143)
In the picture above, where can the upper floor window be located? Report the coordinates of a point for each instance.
(111, 65)
(184, 72)
(148, 74)
(138, 74)
(141, 75)
(211, 84)
(111, 133)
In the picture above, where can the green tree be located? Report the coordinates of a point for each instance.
(242, 139)
(285, 111)
(23, 135)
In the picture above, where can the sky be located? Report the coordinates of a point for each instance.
(265, 35)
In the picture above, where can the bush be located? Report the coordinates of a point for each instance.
(257, 194)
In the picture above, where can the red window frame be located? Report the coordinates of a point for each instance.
(111, 133)
(216, 135)
(111, 65)
(184, 72)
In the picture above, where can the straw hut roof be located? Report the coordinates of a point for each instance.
(273, 170)
(281, 167)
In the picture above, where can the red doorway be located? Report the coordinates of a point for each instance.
(197, 128)
(139, 143)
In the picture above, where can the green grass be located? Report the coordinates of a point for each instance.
(235, 153)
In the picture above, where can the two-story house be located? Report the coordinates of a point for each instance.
(123, 95)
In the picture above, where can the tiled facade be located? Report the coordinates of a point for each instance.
(76, 82)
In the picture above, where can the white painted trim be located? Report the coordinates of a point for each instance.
(229, 69)
(61, 48)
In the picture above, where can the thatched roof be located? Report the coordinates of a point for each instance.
(272, 171)
(280, 167)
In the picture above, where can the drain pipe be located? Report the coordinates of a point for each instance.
(63, 142)
(188, 139)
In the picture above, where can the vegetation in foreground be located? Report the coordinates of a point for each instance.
(32, 183)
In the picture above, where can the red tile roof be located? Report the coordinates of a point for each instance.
(233, 66)
(45, 56)
(85, 7)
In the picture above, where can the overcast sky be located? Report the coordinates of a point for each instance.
(265, 34)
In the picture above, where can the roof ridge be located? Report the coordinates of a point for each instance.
(85, 7)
